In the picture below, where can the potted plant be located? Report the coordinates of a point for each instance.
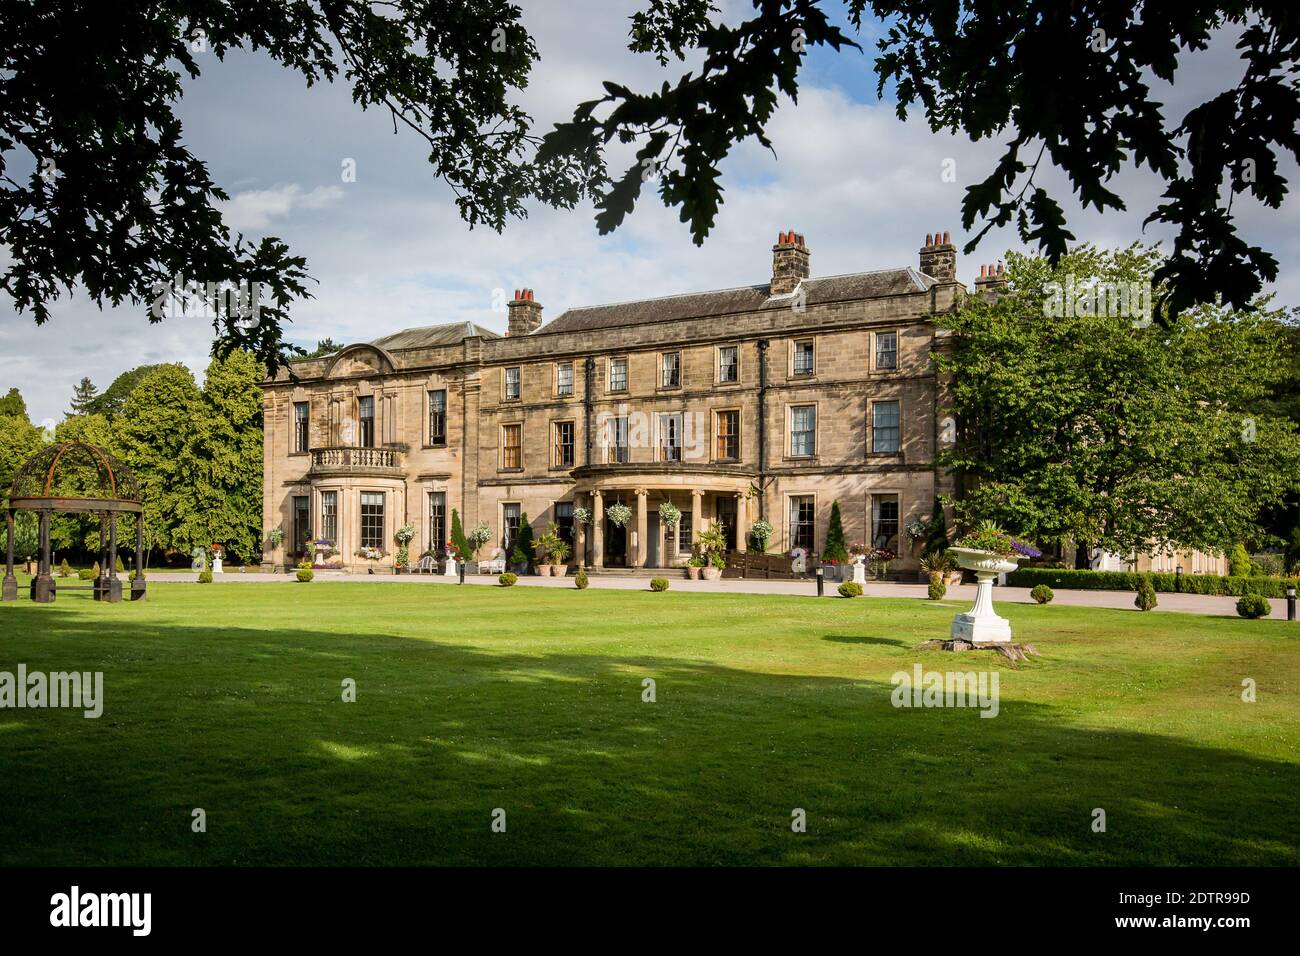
(880, 558)
(988, 551)
(403, 537)
(713, 546)
(693, 567)
(542, 549)
(559, 552)
(372, 555)
(836, 554)
(218, 553)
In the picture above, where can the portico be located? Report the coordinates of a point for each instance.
(703, 496)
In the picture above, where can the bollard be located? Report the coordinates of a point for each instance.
(821, 583)
(461, 570)
(1290, 602)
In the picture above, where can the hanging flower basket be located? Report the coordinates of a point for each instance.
(582, 515)
(669, 513)
(619, 513)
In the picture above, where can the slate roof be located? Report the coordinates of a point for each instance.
(700, 305)
(428, 336)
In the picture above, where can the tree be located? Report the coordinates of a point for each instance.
(1239, 563)
(1107, 433)
(12, 405)
(461, 543)
(936, 538)
(27, 538)
(19, 440)
(81, 531)
(986, 68)
(116, 202)
(83, 397)
(522, 552)
(835, 549)
(110, 402)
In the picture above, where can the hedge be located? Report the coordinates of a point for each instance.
(1162, 581)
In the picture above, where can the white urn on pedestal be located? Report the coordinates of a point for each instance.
(981, 624)
(860, 569)
(216, 565)
(450, 570)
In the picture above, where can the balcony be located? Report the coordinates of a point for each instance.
(382, 462)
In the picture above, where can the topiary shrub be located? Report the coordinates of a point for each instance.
(121, 568)
(1239, 564)
(65, 571)
(580, 581)
(937, 588)
(85, 574)
(1042, 594)
(1253, 606)
(658, 584)
(850, 589)
(304, 575)
(508, 579)
(1146, 596)
(95, 571)
(205, 577)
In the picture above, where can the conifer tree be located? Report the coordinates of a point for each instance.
(835, 549)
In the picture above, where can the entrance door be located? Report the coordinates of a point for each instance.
(725, 509)
(615, 545)
(653, 548)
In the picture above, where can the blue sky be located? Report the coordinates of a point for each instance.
(390, 251)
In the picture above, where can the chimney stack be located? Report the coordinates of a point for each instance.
(992, 280)
(789, 263)
(525, 313)
(939, 257)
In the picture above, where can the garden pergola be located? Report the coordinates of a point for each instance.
(74, 477)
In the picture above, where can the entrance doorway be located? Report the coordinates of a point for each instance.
(725, 509)
(615, 545)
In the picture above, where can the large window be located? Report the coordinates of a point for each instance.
(437, 521)
(618, 375)
(803, 357)
(512, 384)
(803, 431)
(372, 519)
(884, 521)
(563, 453)
(729, 364)
(329, 516)
(886, 350)
(802, 514)
(438, 416)
(512, 450)
(366, 411)
(564, 379)
(884, 427)
(301, 426)
(670, 437)
(684, 533)
(564, 524)
(670, 364)
(301, 523)
(728, 436)
(616, 441)
(509, 527)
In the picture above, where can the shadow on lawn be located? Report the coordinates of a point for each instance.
(252, 729)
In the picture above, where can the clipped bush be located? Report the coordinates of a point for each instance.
(1042, 594)
(580, 581)
(1161, 581)
(304, 575)
(850, 589)
(85, 574)
(508, 579)
(1253, 606)
(937, 588)
(205, 576)
(121, 568)
(1146, 596)
(1239, 564)
(65, 571)
(95, 571)
(658, 584)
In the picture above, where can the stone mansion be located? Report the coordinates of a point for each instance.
(767, 401)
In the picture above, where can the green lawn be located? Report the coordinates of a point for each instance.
(227, 698)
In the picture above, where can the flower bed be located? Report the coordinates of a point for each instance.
(1162, 581)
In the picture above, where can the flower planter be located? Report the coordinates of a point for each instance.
(559, 570)
(693, 573)
(710, 574)
(981, 624)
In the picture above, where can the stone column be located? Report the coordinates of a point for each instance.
(742, 523)
(597, 529)
(697, 515)
(579, 536)
(639, 552)
(9, 591)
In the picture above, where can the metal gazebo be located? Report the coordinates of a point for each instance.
(74, 477)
